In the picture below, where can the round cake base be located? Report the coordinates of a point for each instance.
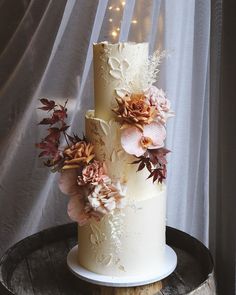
(127, 281)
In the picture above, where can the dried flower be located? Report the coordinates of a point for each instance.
(81, 152)
(136, 142)
(106, 197)
(93, 173)
(135, 110)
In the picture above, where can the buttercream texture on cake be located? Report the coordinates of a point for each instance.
(129, 240)
(115, 65)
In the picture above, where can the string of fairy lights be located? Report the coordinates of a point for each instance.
(114, 14)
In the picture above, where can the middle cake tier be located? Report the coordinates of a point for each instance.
(105, 136)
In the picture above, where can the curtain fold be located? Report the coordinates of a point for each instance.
(54, 60)
(223, 145)
(186, 34)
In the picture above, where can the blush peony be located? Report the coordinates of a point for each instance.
(157, 98)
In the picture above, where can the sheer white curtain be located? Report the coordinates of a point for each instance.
(49, 55)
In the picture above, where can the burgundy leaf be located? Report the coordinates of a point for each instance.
(48, 104)
(149, 166)
(151, 174)
(45, 108)
(46, 121)
(61, 114)
(155, 176)
(75, 138)
(141, 166)
(43, 154)
(54, 135)
(64, 128)
(137, 161)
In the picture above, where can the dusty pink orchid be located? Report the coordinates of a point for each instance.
(136, 142)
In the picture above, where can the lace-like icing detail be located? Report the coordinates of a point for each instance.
(114, 228)
(102, 71)
(116, 222)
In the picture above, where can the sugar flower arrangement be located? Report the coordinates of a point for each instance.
(142, 111)
(143, 118)
(82, 177)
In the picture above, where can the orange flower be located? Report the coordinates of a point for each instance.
(135, 110)
(81, 152)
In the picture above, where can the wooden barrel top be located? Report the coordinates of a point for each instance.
(37, 265)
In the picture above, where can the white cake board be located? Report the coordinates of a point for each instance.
(127, 281)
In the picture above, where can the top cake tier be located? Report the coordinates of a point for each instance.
(115, 66)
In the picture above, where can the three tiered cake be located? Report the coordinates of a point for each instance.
(130, 240)
(114, 175)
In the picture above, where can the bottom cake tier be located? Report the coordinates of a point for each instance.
(130, 241)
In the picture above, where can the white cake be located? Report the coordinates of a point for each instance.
(130, 240)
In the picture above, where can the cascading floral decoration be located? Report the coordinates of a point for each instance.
(143, 118)
(92, 193)
(142, 111)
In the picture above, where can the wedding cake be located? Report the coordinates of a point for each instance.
(114, 175)
(130, 240)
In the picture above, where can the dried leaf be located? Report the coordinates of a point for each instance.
(61, 114)
(54, 135)
(136, 162)
(141, 166)
(48, 104)
(46, 121)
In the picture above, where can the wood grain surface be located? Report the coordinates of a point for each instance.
(37, 265)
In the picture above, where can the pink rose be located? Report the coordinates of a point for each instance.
(93, 173)
(136, 142)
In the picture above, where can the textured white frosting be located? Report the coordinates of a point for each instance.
(130, 241)
(115, 65)
(105, 136)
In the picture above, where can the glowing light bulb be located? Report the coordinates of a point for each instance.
(114, 33)
(110, 20)
(123, 3)
(118, 29)
(117, 8)
(134, 21)
(110, 7)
